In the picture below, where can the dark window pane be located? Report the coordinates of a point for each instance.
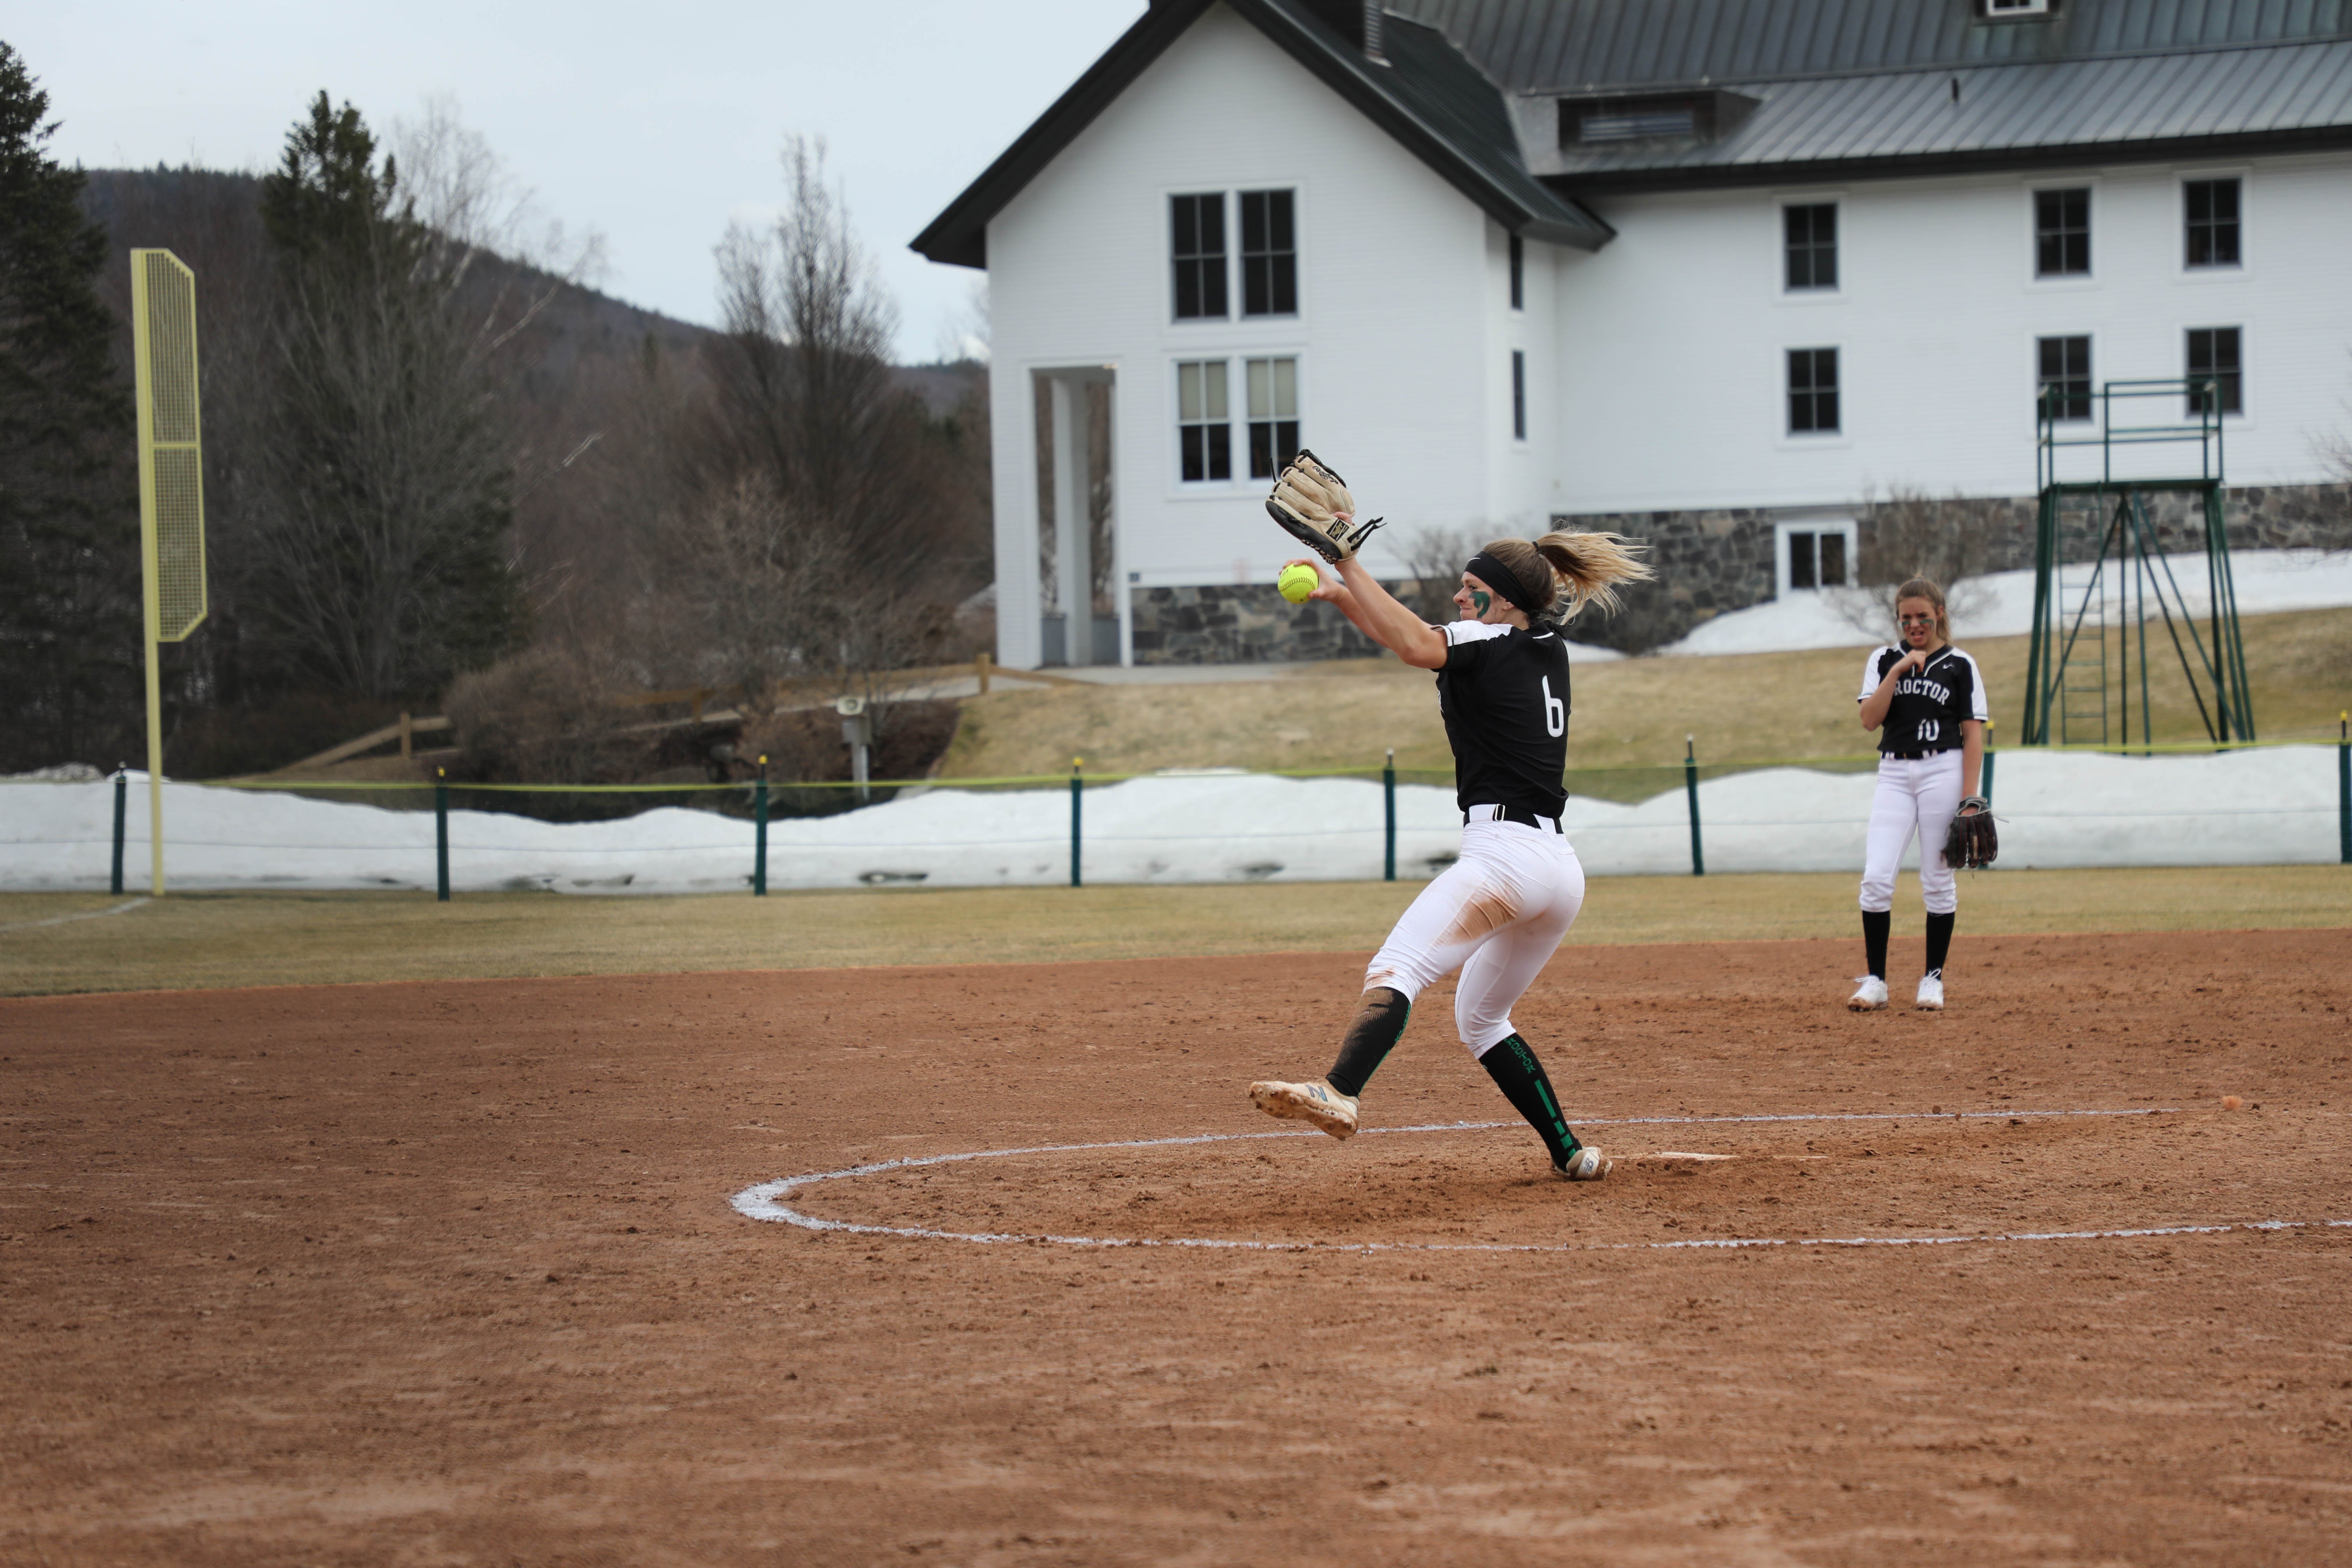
(1272, 444)
(1800, 562)
(1809, 244)
(2066, 377)
(1199, 228)
(1833, 559)
(1518, 394)
(1813, 391)
(1826, 411)
(1220, 450)
(2212, 213)
(1269, 256)
(2214, 367)
(2062, 231)
(1518, 273)
(1194, 441)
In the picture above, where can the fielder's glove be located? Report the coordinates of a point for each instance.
(1972, 842)
(1312, 504)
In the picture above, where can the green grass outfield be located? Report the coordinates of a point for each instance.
(204, 940)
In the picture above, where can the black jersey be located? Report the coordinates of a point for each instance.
(1503, 695)
(1930, 703)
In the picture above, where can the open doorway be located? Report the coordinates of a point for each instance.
(1083, 618)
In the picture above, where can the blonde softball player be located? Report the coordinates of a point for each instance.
(1926, 699)
(1499, 911)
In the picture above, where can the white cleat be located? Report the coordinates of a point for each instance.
(1587, 1165)
(1316, 1103)
(1870, 997)
(1931, 994)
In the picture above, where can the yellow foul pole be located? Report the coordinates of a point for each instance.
(171, 489)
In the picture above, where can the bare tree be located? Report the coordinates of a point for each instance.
(1435, 556)
(1909, 533)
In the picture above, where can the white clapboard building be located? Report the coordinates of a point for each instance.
(1713, 271)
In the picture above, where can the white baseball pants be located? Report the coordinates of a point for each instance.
(1498, 914)
(1918, 796)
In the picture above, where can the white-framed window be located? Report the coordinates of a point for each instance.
(1229, 249)
(1814, 395)
(2062, 382)
(2212, 219)
(1258, 392)
(1809, 247)
(1518, 394)
(1272, 385)
(2216, 367)
(2061, 232)
(1518, 253)
(1204, 430)
(1818, 553)
(1999, 10)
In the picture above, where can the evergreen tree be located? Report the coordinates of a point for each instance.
(383, 566)
(69, 618)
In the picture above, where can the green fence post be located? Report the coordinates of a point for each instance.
(1077, 794)
(1984, 784)
(2344, 788)
(1690, 783)
(441, 832)
(759, 833)
(1387, 792)
(121, 805)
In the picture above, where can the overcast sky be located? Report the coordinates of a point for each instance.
(652, 125)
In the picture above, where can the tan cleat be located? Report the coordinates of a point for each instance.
(1587, 1165)
(1318, 1103)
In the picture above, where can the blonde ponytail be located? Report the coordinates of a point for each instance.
(1587, 567)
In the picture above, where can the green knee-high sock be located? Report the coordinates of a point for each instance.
(1376, 1030)
(1513, 1065)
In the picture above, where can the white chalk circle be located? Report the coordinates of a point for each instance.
(765, 1201)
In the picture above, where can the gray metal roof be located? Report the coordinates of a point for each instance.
(1579, 46)
(2149, 103)
(1846, 89)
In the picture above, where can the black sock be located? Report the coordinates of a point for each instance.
(1512, 1064)
(1939, 942)
(1874, 925)
(1376, 1029)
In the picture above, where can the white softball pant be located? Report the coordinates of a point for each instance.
(1498, 914)
(1918, 796)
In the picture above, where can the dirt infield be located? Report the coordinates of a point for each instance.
(447, 1273)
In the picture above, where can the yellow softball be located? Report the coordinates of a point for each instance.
(1296, 582)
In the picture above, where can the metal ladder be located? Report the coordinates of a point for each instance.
(2084, 594)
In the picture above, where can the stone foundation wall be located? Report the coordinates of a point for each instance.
(1241, 622)
(1710, 563)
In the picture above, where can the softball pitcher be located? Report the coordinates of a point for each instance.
(1927, 700)
(1499, 911)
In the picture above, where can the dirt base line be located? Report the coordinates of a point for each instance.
(764, 1200)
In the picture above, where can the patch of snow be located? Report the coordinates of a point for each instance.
(2056, 809)
(2001, 604)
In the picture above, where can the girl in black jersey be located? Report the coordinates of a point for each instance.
(1499, 911)
(1926, 699)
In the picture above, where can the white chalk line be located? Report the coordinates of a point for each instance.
(763, 1202)
(90, 915)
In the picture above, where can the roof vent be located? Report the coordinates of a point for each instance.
(1372, 19)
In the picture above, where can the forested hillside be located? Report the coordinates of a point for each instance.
(439, 476)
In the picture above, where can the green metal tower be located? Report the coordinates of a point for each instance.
(2098, 570)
